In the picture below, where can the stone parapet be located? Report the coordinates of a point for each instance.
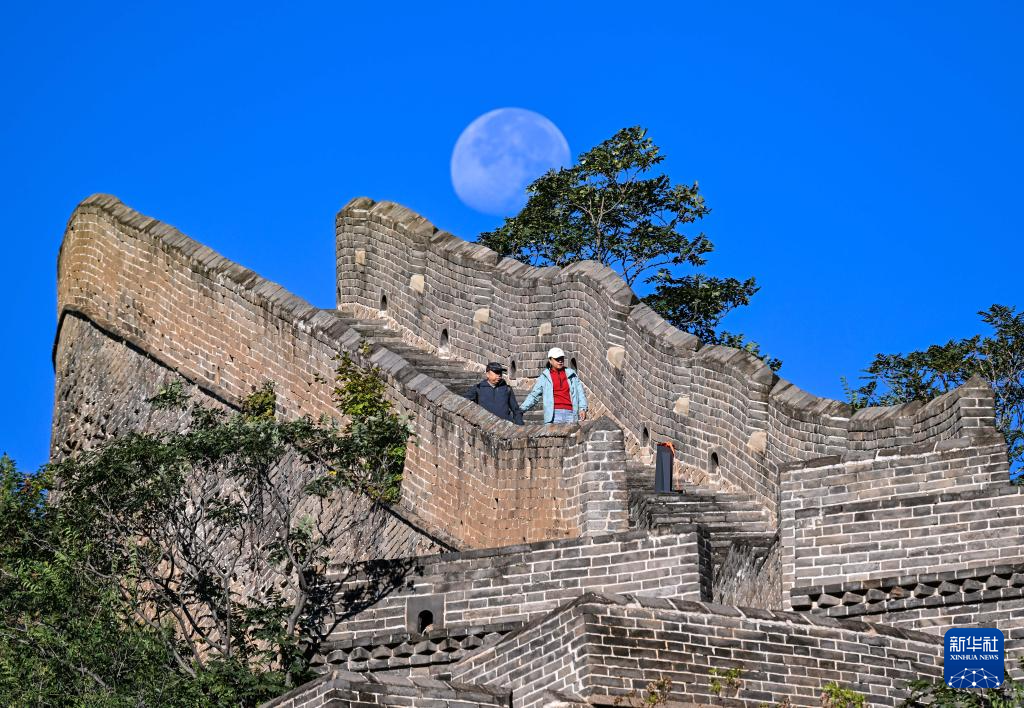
(910, 592)
(978, 596)
(344, 688)
(601, 647)
(411, 652)
(471, 480)
(517, 583)
(728, 415)
(900, 511)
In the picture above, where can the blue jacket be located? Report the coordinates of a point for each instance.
(545, 388)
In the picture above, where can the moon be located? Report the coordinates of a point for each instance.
(500, 153)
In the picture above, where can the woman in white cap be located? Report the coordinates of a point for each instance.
(561, 390)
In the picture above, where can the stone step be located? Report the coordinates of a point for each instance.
(459, 378)
(726, 516)
(661, 515)
(707, 517)
(759, 541)
(748, 520)
(644, 482)
(731, 501)
(700, 495)
(749, 511)
(455, 375)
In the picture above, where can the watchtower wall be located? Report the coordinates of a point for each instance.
(728, 415)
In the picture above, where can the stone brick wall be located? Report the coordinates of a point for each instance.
(598, 496)
(1004, 615)
(605, 646)
(411, 653)
(549, 655)
(959, 413)
(490, 483)
(224, 328)
(902, 511)
(341, 689)
(978, 596)
(102, 388)
(724, 409)
(517, 583)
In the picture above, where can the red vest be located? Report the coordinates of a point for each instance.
(560, 383)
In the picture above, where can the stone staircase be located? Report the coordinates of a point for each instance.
(728, 518)
(452, 373)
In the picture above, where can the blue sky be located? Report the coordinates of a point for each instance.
(863, 163)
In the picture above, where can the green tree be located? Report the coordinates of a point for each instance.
(610, 208)
(998, 358)
(835, 696)
(936, 694)
(190, 567)
(377, 436)
(64, 639)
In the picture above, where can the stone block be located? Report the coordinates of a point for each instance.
(758, 442)
(616, 356)
(682, 406)
(417, 283)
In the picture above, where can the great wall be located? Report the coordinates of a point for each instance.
(805, 544)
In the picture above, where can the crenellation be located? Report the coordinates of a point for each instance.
(902, 514)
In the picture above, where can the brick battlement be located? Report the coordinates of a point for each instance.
(225, 329)
(602, 645)
(496, 566)
(460, 298)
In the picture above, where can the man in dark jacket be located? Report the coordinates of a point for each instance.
(496, 396)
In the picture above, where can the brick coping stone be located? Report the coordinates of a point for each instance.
(552, 544)
(425, 687)
(710, 608)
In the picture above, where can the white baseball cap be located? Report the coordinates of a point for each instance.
(555, 352)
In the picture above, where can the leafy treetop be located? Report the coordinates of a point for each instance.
(610, 208)
(921, 375)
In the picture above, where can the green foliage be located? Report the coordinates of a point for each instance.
(698, 302)
(602, 209)
(360, 385)
(189, 567)
(656, 694)
(260, 404)
(377, 435)
(169, 397)
(936, 694)
(725, 680)
(738, 341)
(835, 696)
(610, 208)
(64, 639)
(998, 358)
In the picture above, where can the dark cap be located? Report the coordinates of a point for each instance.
(496, 367)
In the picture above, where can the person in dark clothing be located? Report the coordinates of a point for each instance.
(495, 395)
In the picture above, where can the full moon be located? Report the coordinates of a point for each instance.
(500, 153)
